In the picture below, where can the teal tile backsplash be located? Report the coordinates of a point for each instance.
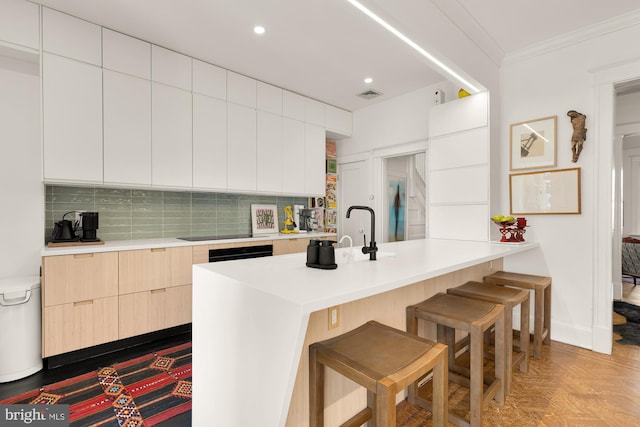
(146, 214)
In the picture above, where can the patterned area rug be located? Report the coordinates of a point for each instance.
(140, 392)
(629, 331)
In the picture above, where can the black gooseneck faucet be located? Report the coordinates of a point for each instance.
(372, 248)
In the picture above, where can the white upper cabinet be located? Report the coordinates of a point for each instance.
(460, 115)
(171, 146)
(338, 120)
(71, 37)
(126, 54)
(127, 129)
(20, 23)
(293, 105)
(314, 159)
(313, 112)
(241, 148)
(171, 68)
(293, 150)
(72, 120)
(209, 80)
(209, 142)
(269, 98)
(241, 89)
(270, 154)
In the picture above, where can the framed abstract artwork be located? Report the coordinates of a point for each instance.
(554, 191)
(533, 143)
(264, 219)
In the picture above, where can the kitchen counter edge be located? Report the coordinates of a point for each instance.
(130, 245)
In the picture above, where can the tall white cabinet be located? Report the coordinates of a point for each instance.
(459, 181)
(72, 104)
(127, 109)
(72, 98)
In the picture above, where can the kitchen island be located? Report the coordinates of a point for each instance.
(254, 319)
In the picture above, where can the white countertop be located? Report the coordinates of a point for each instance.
(250, 317)
(130, 245)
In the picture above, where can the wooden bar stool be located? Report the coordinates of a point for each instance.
(541, 286)
(451, 312)
(510, 298)
(384, 360)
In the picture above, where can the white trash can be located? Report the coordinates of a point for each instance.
(20, 327)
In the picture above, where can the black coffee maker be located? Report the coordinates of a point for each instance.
(321, 254)
(89, 226)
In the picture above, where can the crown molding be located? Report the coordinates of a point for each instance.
(573, 37)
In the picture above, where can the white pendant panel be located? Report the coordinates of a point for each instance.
(71, 37)
(466, 185)
(209, 80)
(126, 54)
(459, 222)
(460, 149)
(459, 115)
(20, 23)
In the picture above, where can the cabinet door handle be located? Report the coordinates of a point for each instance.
(83, 255)
(158, 249)
(85, 302)
(158, 291)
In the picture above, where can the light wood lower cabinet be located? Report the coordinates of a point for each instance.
(80, 277)
(290, 246)
(149, 311)
(95, 298)
(294, 245)
(80, 324)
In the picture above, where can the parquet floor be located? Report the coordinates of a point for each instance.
(568, 386)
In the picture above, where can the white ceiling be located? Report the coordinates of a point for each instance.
(324, 48)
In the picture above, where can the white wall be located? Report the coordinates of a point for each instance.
(397, 121)
(544, 82)
(21, 188)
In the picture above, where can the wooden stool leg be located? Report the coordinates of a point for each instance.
(508, 348)
(524, 334)
(539, 321)
(476, 378)
(385, 411)
(547, 314)
(412, 328)
(499, 359)
(316, 390)
(440, 393)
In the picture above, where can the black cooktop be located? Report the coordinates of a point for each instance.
(222, 237)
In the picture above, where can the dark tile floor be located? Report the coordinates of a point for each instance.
(54, 375)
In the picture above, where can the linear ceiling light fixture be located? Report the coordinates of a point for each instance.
(414, 45)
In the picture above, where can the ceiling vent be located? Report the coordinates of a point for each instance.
(369, 94)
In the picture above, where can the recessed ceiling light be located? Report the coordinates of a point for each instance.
(258, 29)
(368, 80)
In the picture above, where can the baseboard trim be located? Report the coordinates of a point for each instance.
(111, 347)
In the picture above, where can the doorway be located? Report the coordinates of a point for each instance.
(627, 154)
(404, 196)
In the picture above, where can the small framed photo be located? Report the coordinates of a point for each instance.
(264, 219)
(533, 143)
(331, 166)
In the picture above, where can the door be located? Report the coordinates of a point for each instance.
(353, 189)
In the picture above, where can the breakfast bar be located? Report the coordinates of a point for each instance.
(254, 319)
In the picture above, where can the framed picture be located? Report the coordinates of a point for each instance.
(396, 205)
(533, 143)
(331, 166)
(545, 192)
(264, 219)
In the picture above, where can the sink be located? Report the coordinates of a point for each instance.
(342, 255)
